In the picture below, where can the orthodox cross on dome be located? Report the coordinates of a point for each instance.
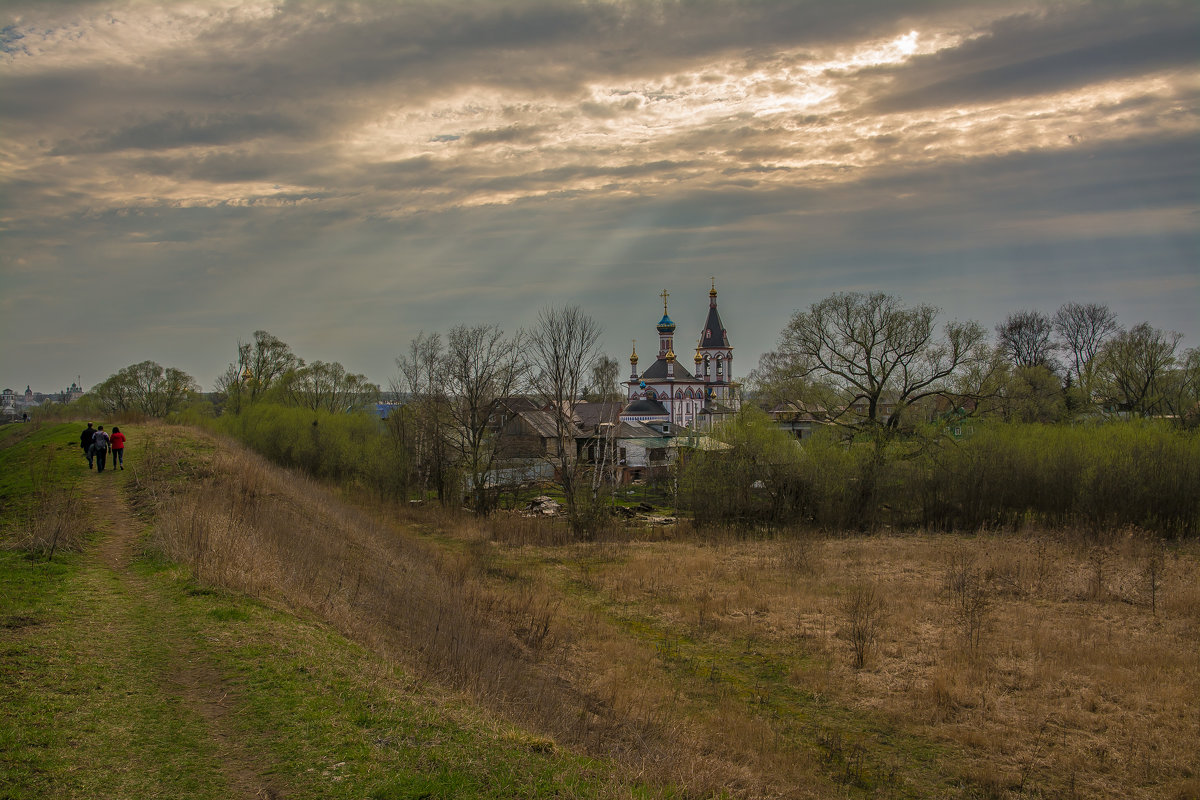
(665, 294)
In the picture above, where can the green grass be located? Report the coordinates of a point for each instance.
(36, 458)
(85, 713)
(95, 667)
(338, 722)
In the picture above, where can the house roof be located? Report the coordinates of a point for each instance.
(515, 405)
(627, 430)
(797, 411)
(542, 422)
(644, 408)
(713, 407)
(658, 371)
(589, 415)
(632, 429)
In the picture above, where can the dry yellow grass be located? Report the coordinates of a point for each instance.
(722, 664)
(1070, 688)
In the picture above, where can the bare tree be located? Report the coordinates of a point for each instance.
(328, 386)
(1083, 329)
(259, 366)
(1182, 395)
(563, 347)
(480, 368)
(866, 362)
(603, 381)
(424, 420)
(1132, 368)
(1024, 338)
(867, 359)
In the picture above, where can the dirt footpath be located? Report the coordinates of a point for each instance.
(189, 675)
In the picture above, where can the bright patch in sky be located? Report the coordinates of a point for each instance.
(347, 175)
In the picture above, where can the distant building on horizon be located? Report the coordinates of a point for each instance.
(13, 403)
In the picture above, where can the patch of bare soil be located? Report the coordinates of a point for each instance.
(202, 688)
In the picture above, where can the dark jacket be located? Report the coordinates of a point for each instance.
(85, 438)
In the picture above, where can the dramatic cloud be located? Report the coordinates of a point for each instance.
(176, 176)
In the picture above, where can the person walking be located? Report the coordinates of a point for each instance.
(85, 441)
(100, 447)
(117, 440)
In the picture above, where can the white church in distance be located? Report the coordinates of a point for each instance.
(666, 392)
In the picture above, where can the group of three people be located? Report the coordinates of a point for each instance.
(96, 443)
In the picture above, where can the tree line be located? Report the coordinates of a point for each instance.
(866, 361)
(889, 393)
(885, 383)
(440, 437)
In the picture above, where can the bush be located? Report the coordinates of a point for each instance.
(352, 449)
(1096, 477)
(755, 478)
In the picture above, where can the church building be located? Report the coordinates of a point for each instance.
(668, 393)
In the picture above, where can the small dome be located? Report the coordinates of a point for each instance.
(665, 325)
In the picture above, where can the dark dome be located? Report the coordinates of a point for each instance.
(645, 408)
(665, 325)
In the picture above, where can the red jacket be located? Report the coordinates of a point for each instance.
(118, 441)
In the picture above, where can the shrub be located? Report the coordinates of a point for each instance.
(1093, 477)
(1097, 477)
(353, 449)
(863, 609)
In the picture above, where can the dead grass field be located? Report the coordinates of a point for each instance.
(1036, 666)
(1004, 666)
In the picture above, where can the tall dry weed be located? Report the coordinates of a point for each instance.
(863, 609)
(56, 518)
(56, 521)
(970, 598)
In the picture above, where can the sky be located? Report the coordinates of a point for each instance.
(175, 176)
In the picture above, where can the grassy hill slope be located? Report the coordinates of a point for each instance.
(212, 625)
(121, 676)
